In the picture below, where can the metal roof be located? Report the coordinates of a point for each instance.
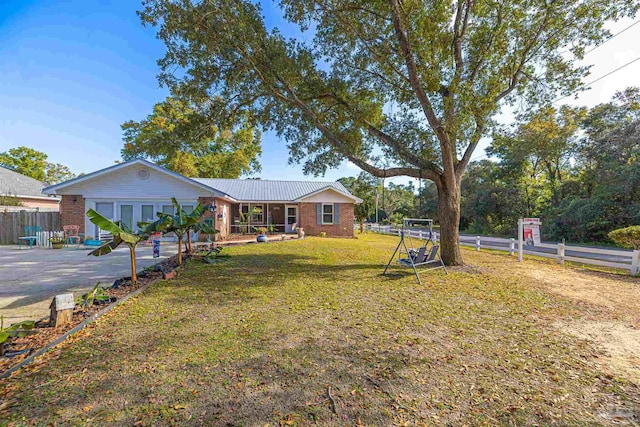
(267, 190)
(15, 184)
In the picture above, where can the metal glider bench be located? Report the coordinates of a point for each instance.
(424, 256)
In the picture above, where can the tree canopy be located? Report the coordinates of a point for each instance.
(187, 138)
(579, 173)
(33, 163)
(416, 83)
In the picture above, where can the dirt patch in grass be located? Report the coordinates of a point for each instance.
(262, 337)
(621, 345)
(609, 308)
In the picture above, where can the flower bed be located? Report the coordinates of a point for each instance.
(45, 334)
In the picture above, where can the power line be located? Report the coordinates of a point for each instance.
(599, 78)
(612, 37)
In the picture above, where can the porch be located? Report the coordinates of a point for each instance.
(276, 217)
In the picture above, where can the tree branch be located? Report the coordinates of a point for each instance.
(445, 143)
(347, 152)
(466, 157)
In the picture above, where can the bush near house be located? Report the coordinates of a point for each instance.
(628, 237)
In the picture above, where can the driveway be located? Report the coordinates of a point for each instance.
(30, 278)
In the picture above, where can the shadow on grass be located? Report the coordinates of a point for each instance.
(283, 381)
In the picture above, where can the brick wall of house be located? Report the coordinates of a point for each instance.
(309, 223)
(72, 211)
(221, 225)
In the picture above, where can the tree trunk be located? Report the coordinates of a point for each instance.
(134, 274)
(449, 218)
(179, 250)
(361, 226)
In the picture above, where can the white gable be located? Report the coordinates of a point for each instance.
(134, 181)
(328, 195)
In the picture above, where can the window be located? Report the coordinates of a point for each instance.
(167, 209)
(146, 213)
(187, 209)
(327, 214)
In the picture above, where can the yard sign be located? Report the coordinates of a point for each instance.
(532, 231)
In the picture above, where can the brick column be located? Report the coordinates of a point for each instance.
(72, 211)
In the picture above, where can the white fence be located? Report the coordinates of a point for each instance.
(615, 258)
(42, 237)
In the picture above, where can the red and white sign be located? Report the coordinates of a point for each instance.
(531, 231)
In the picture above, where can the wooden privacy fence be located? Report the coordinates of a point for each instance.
(614, 257)
(12, 223)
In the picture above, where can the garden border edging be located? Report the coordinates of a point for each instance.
(77, 328)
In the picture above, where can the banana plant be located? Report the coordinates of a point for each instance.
(182, 223)
(122, 234)
(20, 329)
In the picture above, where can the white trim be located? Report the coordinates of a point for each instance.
(333, 213)
(54, 198)
(329, 188)
(216, 193)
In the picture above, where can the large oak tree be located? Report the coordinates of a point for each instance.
(414, 82)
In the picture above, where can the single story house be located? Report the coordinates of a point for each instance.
(26, 190)
(137, 190)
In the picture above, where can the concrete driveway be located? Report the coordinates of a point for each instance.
(30, 278)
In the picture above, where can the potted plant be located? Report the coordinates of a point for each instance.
(57, 242)
(262, 234)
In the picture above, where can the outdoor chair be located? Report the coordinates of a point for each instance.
(30, 236)
(71, 233)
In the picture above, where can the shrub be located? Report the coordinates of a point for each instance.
(627, 237)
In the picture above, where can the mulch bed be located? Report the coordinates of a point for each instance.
(46, 333)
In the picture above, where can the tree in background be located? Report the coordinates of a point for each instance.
(56, 173)
(364, 187)
(400, 201)
(491, 203)
(26, 161)
(187, 139)
(542, 146)
(33, 163)
(415, 82)
(606, 195)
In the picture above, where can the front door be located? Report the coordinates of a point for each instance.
(291, 218)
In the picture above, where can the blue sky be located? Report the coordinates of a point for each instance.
(71, 72)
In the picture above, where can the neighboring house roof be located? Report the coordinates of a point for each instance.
(254, 190)
(16, 184)
(92, 175)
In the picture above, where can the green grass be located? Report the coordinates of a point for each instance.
(258, 339)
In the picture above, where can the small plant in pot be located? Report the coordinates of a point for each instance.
(262, 234)
(56, 242)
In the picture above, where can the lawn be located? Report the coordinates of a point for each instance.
(308, 332)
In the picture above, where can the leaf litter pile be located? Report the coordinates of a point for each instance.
(309, 333)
